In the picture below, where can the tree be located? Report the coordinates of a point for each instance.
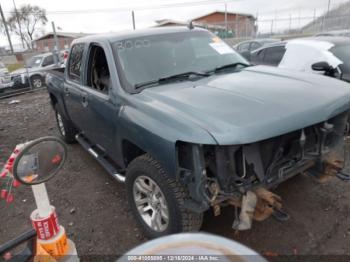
(2, 27)
(30, 18)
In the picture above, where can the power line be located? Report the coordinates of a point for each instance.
(129, 8)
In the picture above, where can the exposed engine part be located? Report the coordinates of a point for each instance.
(217, 175)
(217, 210)
(214, 190)
(343, 176)
(267, 203)
(280, 215)
(332, 165)
(245, 218)
(258, 204)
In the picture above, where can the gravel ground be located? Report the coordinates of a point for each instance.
(93, 208)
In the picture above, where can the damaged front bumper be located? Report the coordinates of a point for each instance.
(240, 175)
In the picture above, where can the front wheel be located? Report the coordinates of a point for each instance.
(36, 81)
(157, 201)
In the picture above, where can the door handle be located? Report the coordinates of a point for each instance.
(84, 100)
(66, 90)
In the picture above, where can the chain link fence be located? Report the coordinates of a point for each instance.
(25, 71)
(283, 28)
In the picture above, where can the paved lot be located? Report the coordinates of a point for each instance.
(94, 211)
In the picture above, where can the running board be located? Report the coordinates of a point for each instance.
(103, 162)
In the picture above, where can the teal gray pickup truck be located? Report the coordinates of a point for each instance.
(188, 125)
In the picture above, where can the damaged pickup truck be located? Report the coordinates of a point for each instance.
(189, 125)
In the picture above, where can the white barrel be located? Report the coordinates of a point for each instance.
(201, 246)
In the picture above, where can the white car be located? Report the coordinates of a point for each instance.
(5, 78)
(323, 55)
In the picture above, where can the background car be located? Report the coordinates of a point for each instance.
(268, 55)
(246, 47)
(5, 79)
(327, 55)
(36, 68)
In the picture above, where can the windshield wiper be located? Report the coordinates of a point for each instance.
(233, 65)
(175, 77)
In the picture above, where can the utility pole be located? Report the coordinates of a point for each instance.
(133, 19)
(19, 24)
(256, 24)
(314, 22)
(275, 23)
(328, 9)
(226, 27)
(271, 33)
(290, 23)
(56, 48)
(329, 6)
(325, 17)
(6, 29)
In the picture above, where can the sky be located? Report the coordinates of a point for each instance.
(102, 16)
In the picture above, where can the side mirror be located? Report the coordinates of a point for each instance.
(322, 66)
(39, 160)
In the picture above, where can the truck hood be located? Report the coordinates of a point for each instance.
(252, 105)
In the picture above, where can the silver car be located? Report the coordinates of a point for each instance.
(36, 70)
(5, 78)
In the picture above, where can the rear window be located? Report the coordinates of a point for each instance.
(75, 62)
(343, 53)
(274, 55)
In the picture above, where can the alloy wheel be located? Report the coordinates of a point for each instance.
(151, 203)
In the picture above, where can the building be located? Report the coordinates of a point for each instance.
(224, 24)
(46, 43)
(238, 24)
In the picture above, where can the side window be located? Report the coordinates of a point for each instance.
(98, 76)
(274, 55)
(254, 46)
(244, 47)
(75, 62)
(48, 61)
(257, 57)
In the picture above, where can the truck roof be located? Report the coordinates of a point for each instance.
(113, 37)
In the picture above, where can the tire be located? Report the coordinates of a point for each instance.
(179, 218)
(36, 81)
(66, 129)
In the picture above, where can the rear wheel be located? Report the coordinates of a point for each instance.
(157, 201)
(65, 127)
(36, 81)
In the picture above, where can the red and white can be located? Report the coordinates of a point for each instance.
(46, 227)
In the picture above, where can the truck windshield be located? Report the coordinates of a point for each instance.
(35, 61)
(154, 57)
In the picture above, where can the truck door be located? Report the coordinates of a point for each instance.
(100, 111)
(73, 91)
